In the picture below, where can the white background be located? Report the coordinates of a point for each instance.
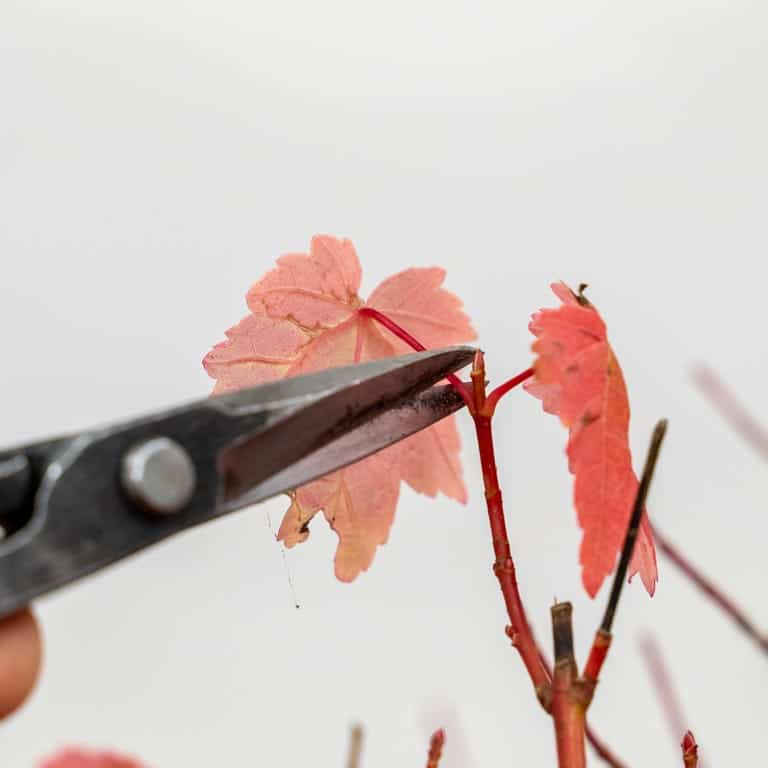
(156, 156)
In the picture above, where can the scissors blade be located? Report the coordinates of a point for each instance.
(338, 410)
(405, 418)
(76, 518)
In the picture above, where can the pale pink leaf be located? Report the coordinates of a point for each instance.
(257, 350)
(317, 290)
(304, 319)
(430, 461)
(356, 340)
(416, 301)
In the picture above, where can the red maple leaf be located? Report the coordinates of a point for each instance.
(578, 378)
(304, 318)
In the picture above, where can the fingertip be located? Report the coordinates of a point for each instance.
(20, 658)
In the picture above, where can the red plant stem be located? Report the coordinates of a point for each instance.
(569, 717)
(602, 750)
(709, 588)
(402, 334)
(597, 654)
(568, 702)
(690, 750)
(436, 744)
(502, 389)
(392, 326)
(518, 631)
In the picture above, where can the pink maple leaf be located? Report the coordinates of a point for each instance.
(304, 317)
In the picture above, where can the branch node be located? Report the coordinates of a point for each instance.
(544, 695)
(513, 635)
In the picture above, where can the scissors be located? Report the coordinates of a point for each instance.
(72, 505)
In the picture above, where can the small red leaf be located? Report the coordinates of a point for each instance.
(305, 317)
(578, 378)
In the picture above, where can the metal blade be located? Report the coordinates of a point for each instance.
(388, 377)
(355, 396)
(389, 427)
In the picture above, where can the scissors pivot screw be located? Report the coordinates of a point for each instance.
(159, 476)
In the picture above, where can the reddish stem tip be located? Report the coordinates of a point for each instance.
(436, 744)
(690, 750)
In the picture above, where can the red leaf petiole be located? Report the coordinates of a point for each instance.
(414, 343)
(496, 395)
